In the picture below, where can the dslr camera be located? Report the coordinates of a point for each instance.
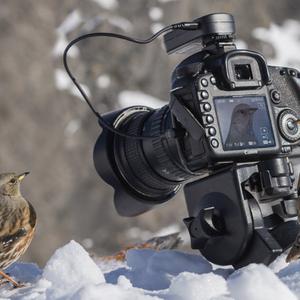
(230, 134)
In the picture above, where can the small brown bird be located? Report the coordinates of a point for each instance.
(17, 222)
(294, 253)
(170, 241)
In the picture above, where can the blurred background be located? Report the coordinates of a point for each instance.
(47, 129)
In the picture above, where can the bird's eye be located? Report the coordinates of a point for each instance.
(13, 180)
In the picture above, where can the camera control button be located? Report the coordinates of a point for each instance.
(213, 80)
(282, 72)
(207, 107)
(211, 131)
(214, 143)
(204, 82)
(209, 119)
(204, 94)
(275, 96)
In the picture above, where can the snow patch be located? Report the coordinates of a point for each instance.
(72, 127)
(166, 1)
(155, 13)
(109, 291)
(172, 228)
(190, 286)
(64, 83)
(138, 233)
(69, 269)
(153, 270)
(258, 282)
(62, 80)
(240, 44)
(285, 41)
(88, 243)
(155, 27)
(107, 4)
(149, 275)
(290, 275)
(25, 271)
(61, 44)
(129, 98)
(103, 81)
(71, 22)
(121, 23)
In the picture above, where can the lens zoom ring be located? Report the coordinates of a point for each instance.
(143, 173)
(163, 157)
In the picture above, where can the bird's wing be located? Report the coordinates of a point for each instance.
(8, 240)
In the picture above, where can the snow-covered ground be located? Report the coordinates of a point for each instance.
(147, 274)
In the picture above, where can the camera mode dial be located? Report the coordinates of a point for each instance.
(288, 125)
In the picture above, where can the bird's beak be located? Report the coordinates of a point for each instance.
(22, 176)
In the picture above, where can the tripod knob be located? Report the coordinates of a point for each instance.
(206, 225)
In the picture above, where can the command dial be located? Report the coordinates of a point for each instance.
(288, 125)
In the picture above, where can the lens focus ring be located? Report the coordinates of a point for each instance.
(288, 125)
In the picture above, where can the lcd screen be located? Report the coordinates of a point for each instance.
(244, 122)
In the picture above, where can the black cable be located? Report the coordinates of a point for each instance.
(101, 120)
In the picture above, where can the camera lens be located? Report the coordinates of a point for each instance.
(148, 170)
(243, 72)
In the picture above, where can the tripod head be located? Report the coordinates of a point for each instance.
(245, 213)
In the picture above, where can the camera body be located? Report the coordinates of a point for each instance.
(246, 110)
(231, 130)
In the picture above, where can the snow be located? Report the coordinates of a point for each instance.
(166, 1)
(72, 127)
(64, 83)
(155, 13)
(285, 40)
(103, 81)
(71, 267)
(258, 282)
(240, 44)
(71, 22)
(148, 274)
(87, 243)
(121, 23)
(190, 286)
(155, 27)
(153, 270)
(172, 228)
(137, 233)
(61, 44)
(107, 4)
(128, 98)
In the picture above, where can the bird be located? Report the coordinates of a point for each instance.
(294, 253)
(17, 222)
(170, 241)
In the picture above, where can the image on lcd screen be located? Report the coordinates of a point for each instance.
(244, 122)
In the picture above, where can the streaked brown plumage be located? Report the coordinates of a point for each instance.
(170, 241)
(17, 221)
(294, 252)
